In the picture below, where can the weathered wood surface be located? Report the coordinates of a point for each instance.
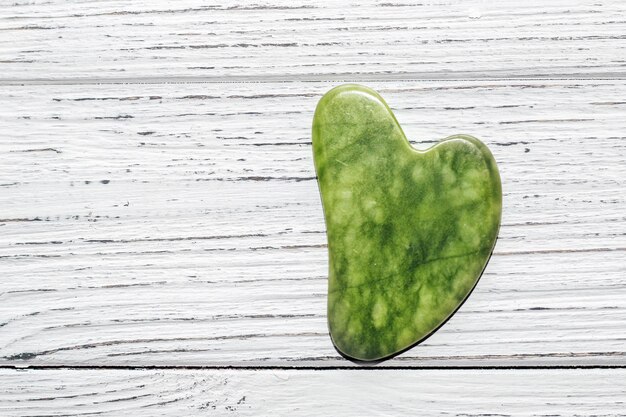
(181, 224)
(287, 39)
(303, 393)
(158, 205)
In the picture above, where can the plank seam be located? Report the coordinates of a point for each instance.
(312, 79)
(311, 368)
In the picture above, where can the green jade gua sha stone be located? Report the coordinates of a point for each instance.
(409, 232)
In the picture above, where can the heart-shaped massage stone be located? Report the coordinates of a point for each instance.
(409, 232)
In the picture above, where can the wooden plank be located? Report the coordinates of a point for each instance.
(294, 393)
(181, 224)
(139, 41)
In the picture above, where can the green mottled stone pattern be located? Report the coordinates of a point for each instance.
(409, 232)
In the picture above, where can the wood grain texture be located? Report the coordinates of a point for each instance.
(181, 224)
(158, 205)
(146, 41)
(302, 393)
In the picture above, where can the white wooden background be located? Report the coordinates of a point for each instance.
(162, 245)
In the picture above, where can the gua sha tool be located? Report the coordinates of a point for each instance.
(409, 231)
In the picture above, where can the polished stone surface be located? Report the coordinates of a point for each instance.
(409, 232)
